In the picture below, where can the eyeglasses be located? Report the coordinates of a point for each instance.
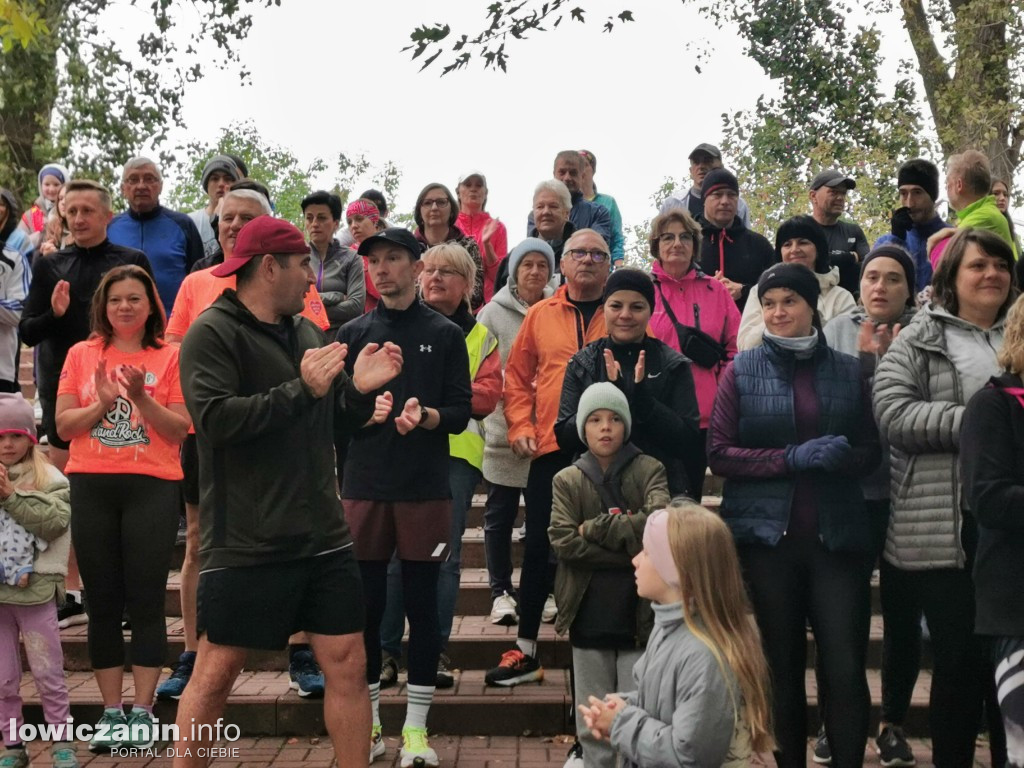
(579, 254)
(441, 272)
(135, 181)
(441, 202)
(670, 237)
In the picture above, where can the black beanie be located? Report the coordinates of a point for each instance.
(903, 257)
(717, 179)
(921, 173)
(796, 277)
(805, 227)
(629, 279)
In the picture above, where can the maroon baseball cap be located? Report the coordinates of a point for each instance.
(262, 235)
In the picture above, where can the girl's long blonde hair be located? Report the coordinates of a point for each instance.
(717, 611)
(40, 469)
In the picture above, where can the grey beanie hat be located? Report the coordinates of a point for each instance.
(221, 163)
(604, 394)
(530, 245)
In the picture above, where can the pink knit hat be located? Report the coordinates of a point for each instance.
(17, 415)
(658, 549)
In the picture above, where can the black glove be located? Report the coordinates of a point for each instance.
(901, 223)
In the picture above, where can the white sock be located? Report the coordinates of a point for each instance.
(529, 647)
(375, 702)
(420, 698)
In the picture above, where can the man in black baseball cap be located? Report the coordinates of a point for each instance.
(847, 244)
(394, 485)
(703, 159)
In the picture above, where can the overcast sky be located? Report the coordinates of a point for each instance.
(329, 77)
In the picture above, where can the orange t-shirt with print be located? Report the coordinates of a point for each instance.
(200, 289)
(122, 442)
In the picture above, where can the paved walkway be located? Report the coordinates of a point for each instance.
(454, 752)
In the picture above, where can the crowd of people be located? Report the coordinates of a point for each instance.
(315, 410)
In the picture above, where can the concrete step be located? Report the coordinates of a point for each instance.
(475, 644)
(473, 555)
(261, 704)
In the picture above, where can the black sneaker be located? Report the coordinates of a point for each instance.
(822, 752)
(893, 749)
(179, 540)
(388, 671)
(71, 613)
(306, 678)
(515, 667)
(445, 677)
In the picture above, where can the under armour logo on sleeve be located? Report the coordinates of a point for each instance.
(425, 348)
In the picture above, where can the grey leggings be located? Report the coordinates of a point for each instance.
(123, 528)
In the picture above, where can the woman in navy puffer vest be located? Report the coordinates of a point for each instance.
(792, 432)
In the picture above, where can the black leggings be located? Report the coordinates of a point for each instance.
(419, 588)
(123, 528)
(790, 584)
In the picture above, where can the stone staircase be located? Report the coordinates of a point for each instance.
(262, 704)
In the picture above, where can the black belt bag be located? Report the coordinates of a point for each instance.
(702, 349)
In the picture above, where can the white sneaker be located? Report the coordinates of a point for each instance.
(521, 532)
(550, 610)
(575, 757)
(503, 610)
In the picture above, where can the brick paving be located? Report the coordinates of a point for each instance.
(453, 751)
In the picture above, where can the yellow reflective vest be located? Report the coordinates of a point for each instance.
(468, 445)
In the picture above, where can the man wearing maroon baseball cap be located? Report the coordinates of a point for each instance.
(276, 556)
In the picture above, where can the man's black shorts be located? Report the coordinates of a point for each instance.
(261, 606)
(190, 469)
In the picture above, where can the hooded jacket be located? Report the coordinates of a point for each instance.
(266, 461)
(45, 513)
(608, 541)
(742, 255)
(473, 224)
(666, 418)
(919, 402)
(683, 712)
(503, 316)
(551, 334)
(992, 460)
(833, 301)
(719, 319)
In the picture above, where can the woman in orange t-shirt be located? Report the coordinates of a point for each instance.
(119, 403)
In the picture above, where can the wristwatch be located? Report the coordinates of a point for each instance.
(423, 415)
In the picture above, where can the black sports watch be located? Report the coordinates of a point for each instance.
(423, 415)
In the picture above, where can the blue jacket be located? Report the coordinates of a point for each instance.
(917, 244)
(757, 402)
(584, 215)
(170, 241)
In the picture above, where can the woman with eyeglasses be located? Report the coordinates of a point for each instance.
(689, 305)
(435, 214)
(655, 379)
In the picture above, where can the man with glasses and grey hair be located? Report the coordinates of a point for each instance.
(169, 239)
(554, 330)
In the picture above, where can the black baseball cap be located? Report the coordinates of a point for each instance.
(396, 235)
(706, 149)
(832, 179)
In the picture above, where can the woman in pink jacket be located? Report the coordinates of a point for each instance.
(489, 233)
(693, 312)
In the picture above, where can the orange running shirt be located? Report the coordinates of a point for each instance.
(121, 442)
(200, 289)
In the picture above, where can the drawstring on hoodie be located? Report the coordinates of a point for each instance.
(723, 236)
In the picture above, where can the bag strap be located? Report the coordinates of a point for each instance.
(665, 304)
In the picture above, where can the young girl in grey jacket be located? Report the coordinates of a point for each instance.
(702, 695)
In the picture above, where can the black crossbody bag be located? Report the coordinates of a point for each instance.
(704, 350)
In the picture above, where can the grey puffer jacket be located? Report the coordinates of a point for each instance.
(502, 316)
(919, 401)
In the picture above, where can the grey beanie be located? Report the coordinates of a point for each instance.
(530, 245)
(604, 394)
(16, 415)
(221, 163)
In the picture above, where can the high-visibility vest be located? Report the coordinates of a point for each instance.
(468, 445)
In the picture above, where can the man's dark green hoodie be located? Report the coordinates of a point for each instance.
(267, 489)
